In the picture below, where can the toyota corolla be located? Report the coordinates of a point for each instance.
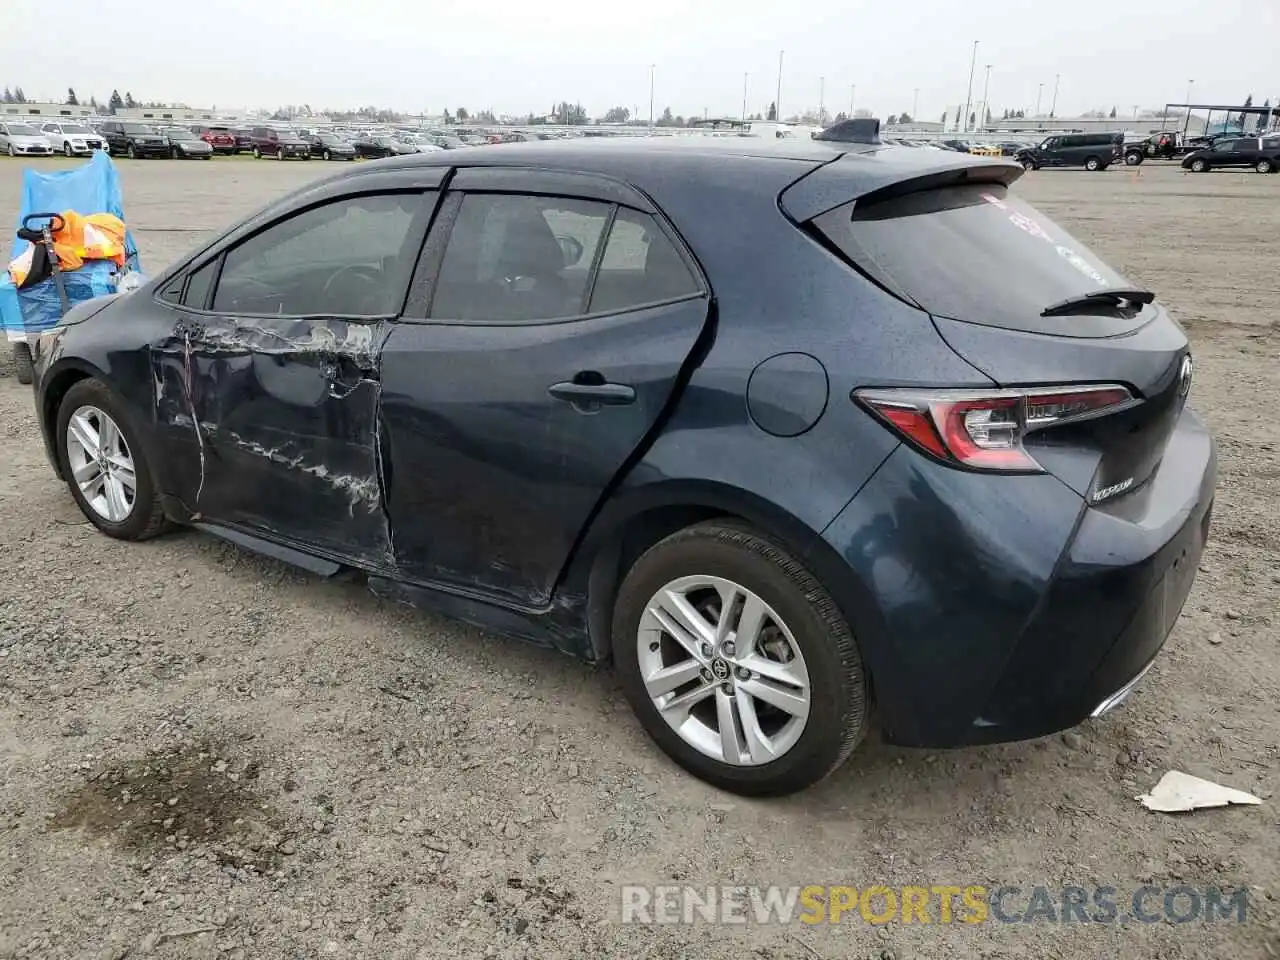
(801, 436)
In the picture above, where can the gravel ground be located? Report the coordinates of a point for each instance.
(206, 754)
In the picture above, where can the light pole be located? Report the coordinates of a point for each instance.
(1135, 111)
(915, 104)
(822, 101)
(1053, 107)
(777, 103)
(1187, 125)
(986, 104)
(853, 89)
(744, 98)
(652, 67)
(968, 97)
(1039, 94)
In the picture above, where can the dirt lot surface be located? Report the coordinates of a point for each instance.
(206, 754)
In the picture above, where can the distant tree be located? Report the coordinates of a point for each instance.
(862, 113)
(617, 115)
(93, 104)
(129, 102)
(773, 112)
(462, 115)
(1113, 113)
(448, 118)
(485, 116)
(943, 118)
(891, 120)
(116, 102)
(987, 121)
(905, 118)
(667, 119)
(19, 96)
(840, 116)
(1248, 101)
(7, 96)
(973, 119)
(71, 97)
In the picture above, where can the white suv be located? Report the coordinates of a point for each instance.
(73, 139)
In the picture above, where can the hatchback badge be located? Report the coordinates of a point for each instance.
(1184, 376)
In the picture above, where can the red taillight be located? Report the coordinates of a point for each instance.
(984, 430)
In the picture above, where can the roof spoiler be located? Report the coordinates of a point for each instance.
(860, 130)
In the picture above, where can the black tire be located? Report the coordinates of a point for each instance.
(280, 153)
(838, 709)
(257, 153)
(66, 149)
(147, 518)
(1029, 165)
(1199, 166)
(1133, 158)
(1264, 166)
(326, 155)
(132, 153)
(1093, 163)
(23, 366)
(175, 153)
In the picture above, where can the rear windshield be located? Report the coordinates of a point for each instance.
(970, 252)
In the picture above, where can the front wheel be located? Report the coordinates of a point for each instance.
(1093, 163)
(326, 155)
(1029, 165)
(67, 151)
(132, 152)
(1133, 158)
(737, 661)
(280, 153)
(24, 366)
(102, 459)
(257, 153)
(175, 153)
(1264, 166)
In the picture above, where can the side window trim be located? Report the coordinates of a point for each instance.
(593, 272)
(423, 285)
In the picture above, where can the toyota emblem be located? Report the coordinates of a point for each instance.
(1184, 376)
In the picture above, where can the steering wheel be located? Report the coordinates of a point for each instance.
(370, 278)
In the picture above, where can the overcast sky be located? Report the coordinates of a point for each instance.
(516, 56)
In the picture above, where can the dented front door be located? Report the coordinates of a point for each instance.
(270, 381)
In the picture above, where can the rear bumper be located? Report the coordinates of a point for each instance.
(1004, 608)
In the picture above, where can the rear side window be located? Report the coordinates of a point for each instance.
(970, 252)
(640, 266)
(514, 259)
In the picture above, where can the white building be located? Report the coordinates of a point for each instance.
(44, 111)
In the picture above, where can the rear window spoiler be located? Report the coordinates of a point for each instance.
(879, 174)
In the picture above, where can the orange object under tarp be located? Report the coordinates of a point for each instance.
(98, 236)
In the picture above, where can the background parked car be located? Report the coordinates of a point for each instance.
(330, 146)
(134, 140)
(1261, 153)
(281, 144)
(395, 148)
(185, 145)
(1093, 151)
(244, 138)
(74, 139)
(219, 137)
(24, 140)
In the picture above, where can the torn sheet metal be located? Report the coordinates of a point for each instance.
(278, 418)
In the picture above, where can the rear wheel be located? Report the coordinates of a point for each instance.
(326, 155)
(257, 153)
(1133, 158)
(1092, 163)
(102, 459)
(131, 152)
(1264, 166)
(737, 661)
(1199, 166)
(279, 153)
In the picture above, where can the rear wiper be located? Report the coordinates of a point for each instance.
(1111, 295)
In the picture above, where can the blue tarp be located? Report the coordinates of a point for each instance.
(93, 187)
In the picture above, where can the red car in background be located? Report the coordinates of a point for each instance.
(219, 137)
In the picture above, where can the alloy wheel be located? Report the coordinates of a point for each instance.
(101, 464)
(723, 670)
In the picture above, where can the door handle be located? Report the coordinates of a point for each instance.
(592, 395)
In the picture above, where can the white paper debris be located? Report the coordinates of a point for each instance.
(1178, 792)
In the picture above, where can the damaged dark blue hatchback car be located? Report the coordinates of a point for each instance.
(797, 434)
